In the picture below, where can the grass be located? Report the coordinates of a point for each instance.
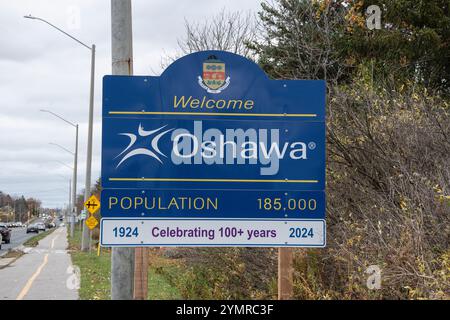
(34, 241)
(95, 270)
(13, 254)
(160, 289)
(75, 242)
(96, 274)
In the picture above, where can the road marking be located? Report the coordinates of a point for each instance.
(53, 241)
(30, 281)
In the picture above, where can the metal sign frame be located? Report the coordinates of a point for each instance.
(215, 130)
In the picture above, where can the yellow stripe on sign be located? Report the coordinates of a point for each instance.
(305, 115)
(211, 180)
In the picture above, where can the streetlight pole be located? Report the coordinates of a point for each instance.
(69, 208)
(87, 192)
(74, 179)
(85, 239)
(75, 167)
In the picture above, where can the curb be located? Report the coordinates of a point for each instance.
(12, 261)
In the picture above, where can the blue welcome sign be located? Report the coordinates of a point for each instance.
(213, 138)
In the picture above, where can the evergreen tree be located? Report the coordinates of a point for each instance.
(413, 42)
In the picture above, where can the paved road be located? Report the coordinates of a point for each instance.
(19, 236)
(43, 273)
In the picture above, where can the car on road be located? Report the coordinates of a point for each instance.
(50, 225)
(5, 232)
(41, 226)
(32, 228)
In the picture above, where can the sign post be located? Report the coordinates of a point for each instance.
(141, 274)
(285, 274)
(214, 153)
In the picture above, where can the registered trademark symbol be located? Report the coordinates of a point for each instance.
(312, 145)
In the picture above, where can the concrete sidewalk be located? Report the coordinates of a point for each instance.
(43, 273)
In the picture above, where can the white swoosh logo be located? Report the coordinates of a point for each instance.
(143, 151)
(132, 141)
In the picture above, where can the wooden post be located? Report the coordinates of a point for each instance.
(285, 274)
(141, 273)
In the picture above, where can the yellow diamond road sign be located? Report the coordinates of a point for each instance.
(92, 204)
(91, 222)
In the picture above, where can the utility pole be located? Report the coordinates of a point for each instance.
(122, 259)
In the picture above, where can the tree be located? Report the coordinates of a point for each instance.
(97, 189)
(226, 31)
(299, 39)
(20, 208)
(413, 42)
(329, 39)
(33, 206)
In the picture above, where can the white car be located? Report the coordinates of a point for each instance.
(41, 226)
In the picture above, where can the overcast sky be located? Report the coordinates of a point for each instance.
(41, 68)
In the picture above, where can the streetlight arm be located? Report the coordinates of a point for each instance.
(63, 177)
(58, 116)
(60, 30)
(55, 144)
(60, 162)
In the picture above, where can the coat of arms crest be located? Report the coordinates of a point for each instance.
(214, 78)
